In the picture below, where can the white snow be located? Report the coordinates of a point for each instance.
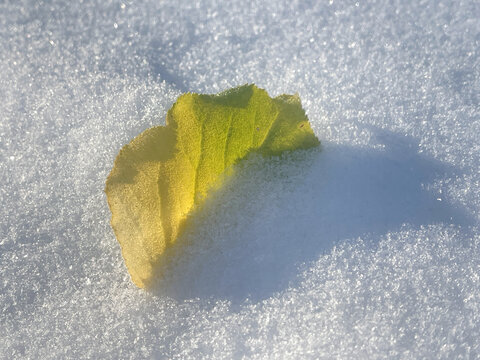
(369, 248)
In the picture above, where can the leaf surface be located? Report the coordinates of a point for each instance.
(167, 171)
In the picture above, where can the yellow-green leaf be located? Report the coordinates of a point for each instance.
(166, 172)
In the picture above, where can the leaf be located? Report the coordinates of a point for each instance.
(167, 171)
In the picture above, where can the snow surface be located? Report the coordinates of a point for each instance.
(369, 248)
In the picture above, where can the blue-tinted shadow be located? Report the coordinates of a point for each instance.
(289, 217)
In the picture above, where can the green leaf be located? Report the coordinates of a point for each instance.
(166, 172)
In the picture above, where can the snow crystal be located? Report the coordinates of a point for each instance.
(368, 248)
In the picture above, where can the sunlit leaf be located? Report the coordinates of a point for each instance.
(167, 171)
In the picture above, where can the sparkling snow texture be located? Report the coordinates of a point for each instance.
(369, 248)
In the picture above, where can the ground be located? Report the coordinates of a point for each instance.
(368, 248)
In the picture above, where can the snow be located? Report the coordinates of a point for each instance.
(369, 248)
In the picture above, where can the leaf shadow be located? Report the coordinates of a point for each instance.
(252, 236)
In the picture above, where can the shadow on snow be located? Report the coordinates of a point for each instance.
(276, 214)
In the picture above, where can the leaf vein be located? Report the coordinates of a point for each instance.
(227, 141)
